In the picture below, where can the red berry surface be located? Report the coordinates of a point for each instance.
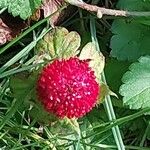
(68, 88)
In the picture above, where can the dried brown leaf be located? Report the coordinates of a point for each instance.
(5, 33)
(10, 27)
(51, 6)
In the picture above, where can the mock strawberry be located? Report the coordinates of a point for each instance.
(68, 88)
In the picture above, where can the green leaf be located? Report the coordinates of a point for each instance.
(114, 71)
(21, 83)
(40, 115)
(70, 45)
(136, 87)
(97, 60)
(131, 36)
(130, 41)
(22, 8)
(3, 3)
(59, 43)
(51, 42)
(134, 5)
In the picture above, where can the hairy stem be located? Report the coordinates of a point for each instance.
(105, 11)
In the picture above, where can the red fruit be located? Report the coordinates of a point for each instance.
(68, 88)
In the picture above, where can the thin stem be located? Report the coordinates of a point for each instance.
(145, 135)
(108, 104)
(106, 3)
(2, 10)
(105, 11)
(81, 20)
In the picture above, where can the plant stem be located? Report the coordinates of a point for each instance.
(81, 20)
(105, 11)
(145, 134)
(107, 103)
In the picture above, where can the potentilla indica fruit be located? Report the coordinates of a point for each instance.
(68, 87)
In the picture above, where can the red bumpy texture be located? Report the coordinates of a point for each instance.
(67, 88)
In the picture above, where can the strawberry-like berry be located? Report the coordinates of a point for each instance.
(68, 88)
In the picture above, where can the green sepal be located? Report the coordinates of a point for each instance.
(73, 124)
(96, 58)
(104, 91)
(40, 115)
(65, 127)
(23, 83)
(59, 43)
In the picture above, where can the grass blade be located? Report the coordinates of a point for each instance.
(108, 104)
